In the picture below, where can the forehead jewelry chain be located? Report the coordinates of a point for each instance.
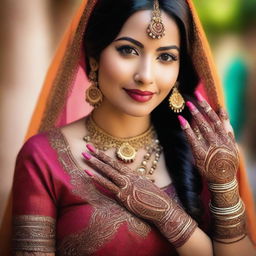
(156, 28)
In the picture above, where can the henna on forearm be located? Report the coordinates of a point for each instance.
(229, 231)
(184, 224)
(225, 199)
(228, 211)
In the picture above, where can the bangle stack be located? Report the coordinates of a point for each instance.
(229, 222)
(223, 188)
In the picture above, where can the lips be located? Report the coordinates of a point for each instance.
(138, 95)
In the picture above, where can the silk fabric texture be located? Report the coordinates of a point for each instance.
(61, 100)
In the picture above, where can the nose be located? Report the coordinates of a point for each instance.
(144, 74)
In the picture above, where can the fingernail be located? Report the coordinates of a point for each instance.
(89, 173)
(86, 155)
(182, 120)
(191, 106)
(199, 96)
(91, 147)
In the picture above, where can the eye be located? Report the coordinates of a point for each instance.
(166, 57)
(127, 50)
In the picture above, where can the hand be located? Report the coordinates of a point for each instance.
(141, 197)
(214, 149)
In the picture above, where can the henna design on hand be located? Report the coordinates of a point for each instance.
(215, 154)
(144, 199)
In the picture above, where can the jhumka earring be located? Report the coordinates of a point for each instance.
(93, 95)
(156, 28)
(176, 101)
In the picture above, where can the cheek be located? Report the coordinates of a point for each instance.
(112, 69)
(168, 78)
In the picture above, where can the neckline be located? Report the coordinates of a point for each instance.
(70, 154)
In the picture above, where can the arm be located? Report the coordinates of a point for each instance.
(216, 157)
(199, 244)
(34, 209)
(144, 199)
(236, 243)
(32, 254)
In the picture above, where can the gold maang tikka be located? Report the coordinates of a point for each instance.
(156, 28)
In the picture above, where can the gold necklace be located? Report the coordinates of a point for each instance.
(126, 148)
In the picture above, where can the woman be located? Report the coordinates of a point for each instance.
(136, 186)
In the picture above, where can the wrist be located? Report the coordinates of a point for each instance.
(224, 195)
(228, 211)
(177, 226)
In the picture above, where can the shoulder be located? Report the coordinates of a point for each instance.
(37, 157)
(39, 146)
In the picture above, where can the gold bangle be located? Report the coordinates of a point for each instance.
(230, 217)
(229, 226)
(219, 187)
(226, 211)
(231, 242)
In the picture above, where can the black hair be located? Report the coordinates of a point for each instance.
(104, 25)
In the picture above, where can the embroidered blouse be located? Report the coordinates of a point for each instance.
(56, 208)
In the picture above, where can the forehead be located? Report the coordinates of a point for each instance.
(136, 27)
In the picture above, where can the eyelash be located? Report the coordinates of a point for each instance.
(124, 48)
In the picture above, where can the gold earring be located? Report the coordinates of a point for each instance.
(93, 94)
(176, 101)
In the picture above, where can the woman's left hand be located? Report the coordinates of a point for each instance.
(213, 145)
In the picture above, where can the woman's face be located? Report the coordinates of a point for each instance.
(136, 72)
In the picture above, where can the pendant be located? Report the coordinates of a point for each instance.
(126, 153)
(156, 28)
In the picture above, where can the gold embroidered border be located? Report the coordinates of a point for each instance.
(33, 233)
(202, 67)
(107, 214)
(65, 74)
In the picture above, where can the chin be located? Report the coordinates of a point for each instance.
(137, 111)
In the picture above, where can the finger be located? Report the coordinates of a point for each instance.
(223, 115)
(188, 132)
(108, 160)
(196, 131)
(210, 113)
(107, 170)
(104, 182)
(202, 124)
(198, 148)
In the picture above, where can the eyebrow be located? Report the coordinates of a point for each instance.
(164, 48)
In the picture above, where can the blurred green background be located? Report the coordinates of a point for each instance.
(230, 26)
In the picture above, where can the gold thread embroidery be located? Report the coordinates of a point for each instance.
(203, 68)
(33, 233)
(65, 74)
(107, 214)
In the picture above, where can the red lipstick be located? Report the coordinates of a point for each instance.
(138, 95)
